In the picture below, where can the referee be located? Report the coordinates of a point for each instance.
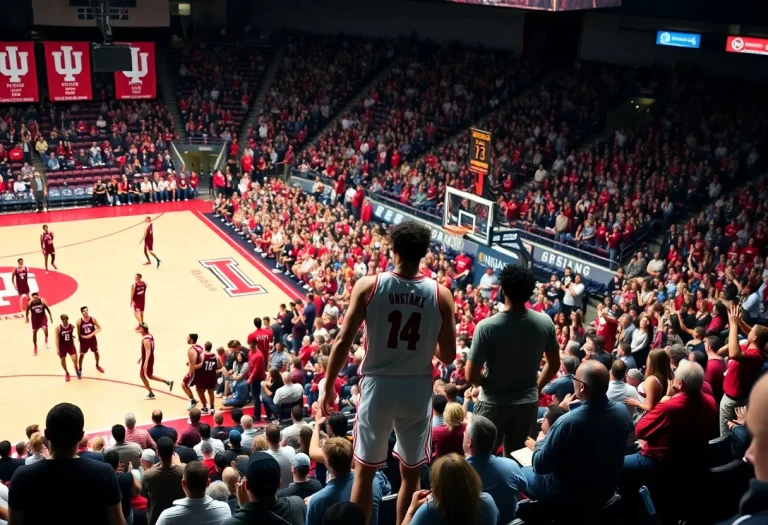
(510, 346)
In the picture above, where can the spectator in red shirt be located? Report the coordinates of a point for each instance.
(449, 437)
(675, 433)
(463, 266)
(744, 364)
(715, 371)
(257, 371)
(357, 202)
(366, 214)
(262, 337)
(607, 326)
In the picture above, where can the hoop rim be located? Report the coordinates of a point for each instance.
(456, 230)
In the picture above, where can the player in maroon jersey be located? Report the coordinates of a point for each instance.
(138, 298)
(194, 356)
(147, 361)
(87, 328)
(65, 346)
(38, 307)
(46, 243)
(149, 243)
(205, 376)
(20, 280)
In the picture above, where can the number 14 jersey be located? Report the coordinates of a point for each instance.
(403, 321)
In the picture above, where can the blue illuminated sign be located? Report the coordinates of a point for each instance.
(675, 39)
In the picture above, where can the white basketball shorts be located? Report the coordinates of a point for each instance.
(402, 403)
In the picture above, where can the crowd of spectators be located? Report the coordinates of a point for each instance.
(216, 84)
(316, 77)
(432, 92)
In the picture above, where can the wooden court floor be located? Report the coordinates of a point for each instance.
(206, 284)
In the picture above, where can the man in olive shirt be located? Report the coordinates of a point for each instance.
(510, 346)
(161, 484)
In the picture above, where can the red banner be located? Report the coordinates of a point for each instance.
(748, 45)
(18, 75)
(140, 82)
(69, 70)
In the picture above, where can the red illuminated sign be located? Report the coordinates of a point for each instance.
(748, 45)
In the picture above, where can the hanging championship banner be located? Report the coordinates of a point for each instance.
(18, 74)
(68, 65)
(479, 157)
(140, 82)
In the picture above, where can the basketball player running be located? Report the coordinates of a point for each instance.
(205, 376)
(65, 346)
(87, 328)
(149, 242)
(147, 362)
(138, 299)
(46, 243)
(38, 307)
(194, 357)
(409, 319)
(20, 281)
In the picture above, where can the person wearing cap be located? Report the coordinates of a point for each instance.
(257, 496)
(196, 508)
(301, 486)
(147, 459)
(235, 447)
(338, 460)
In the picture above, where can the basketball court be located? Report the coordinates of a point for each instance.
(206, 284)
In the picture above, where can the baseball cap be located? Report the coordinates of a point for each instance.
(300, 460)
(234, 435)
(263, 471)
(148, 455)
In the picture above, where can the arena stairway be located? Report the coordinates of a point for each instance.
(167, 78)
(261, 95)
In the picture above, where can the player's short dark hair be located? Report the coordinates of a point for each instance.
(208, 346)
(205, 430)
(344, 513)
(220, 460)
(165, 448)
(438, 403)
(83, 308)
(410, 240)
(64, 317)
(5, 449)
(118, 432)
(35, 293)
(194, 415)
(237, 415)
(257, 322)
(517, 283)
(196, 477)
(138, 275)
(20, 260)
(112, 458)
(64, 425)
(193, 337)
(338, 423)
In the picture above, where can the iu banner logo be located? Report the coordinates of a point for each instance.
(235, 282)
(69, 70)
(139, 82)
(18, 76)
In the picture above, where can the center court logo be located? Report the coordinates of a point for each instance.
(235, 282)
(54, 288)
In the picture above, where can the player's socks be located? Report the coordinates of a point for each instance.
(192, 404)
(170, 385)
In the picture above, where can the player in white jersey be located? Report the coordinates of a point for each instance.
(409, 319)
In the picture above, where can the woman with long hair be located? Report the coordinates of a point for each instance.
(658, 377)
(456, 498)
(642, 338)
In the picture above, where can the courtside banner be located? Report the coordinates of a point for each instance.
(68, 65)
(141, 81)
(18, 74)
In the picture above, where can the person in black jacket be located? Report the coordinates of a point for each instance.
(8, 465)
(257, 496)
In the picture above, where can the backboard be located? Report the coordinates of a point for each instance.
(469, 211)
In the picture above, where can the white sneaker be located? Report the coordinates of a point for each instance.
(45, 209)
(48, 345)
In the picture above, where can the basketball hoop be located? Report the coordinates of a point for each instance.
(454, 235)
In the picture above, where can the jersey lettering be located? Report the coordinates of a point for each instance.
(235, 282)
